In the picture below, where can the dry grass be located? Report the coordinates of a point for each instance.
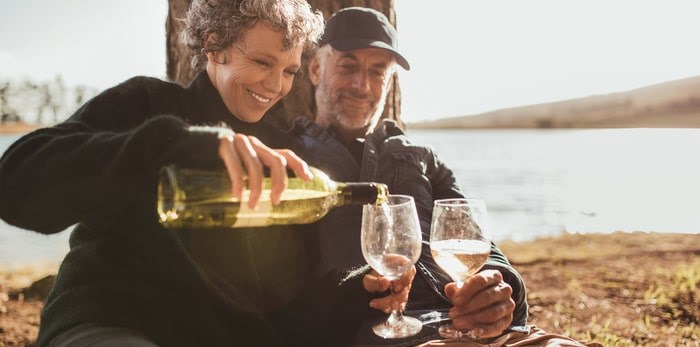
(638, 289)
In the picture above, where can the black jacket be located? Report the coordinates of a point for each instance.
(98, 171)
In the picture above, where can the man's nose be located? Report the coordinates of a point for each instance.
(361, 80)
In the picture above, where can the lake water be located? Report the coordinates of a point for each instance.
(536, 183)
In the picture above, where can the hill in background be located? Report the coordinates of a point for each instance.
(674, 104)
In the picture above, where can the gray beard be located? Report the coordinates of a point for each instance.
(358, 127)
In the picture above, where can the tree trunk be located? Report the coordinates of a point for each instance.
(300, 101)
(178, 66)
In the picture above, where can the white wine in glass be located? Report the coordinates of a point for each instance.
(459, 242)
(391, 244)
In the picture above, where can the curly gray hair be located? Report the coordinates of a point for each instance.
(228, 20)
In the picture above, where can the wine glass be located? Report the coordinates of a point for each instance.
(460, 243)
(391, 244)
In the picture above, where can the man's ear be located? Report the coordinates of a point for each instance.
(314, 68)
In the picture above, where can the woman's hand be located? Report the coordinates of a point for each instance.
(375, 283)
(245, 156)
(483, 305)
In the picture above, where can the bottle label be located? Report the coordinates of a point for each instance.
(253, 217)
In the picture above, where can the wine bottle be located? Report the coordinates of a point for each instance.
(190, 198)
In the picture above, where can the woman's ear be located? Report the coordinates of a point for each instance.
(209, 40)
(215, 56)
(214, 53)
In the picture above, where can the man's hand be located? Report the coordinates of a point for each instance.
(483, 305)
(375, 283)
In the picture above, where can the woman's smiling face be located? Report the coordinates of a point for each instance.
(255, 72)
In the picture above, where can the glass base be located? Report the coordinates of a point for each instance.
(394, 329)
(449, 332)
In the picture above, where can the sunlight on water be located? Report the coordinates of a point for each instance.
(633, 180)
(20, 248)
(544, 182)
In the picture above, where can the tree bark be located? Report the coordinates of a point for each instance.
(300, 100)
(178, 66)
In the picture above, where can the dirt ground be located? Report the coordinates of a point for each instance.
(622, 289)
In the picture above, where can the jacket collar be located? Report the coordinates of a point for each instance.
(304, 125)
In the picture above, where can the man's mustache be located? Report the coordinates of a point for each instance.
(357, 95)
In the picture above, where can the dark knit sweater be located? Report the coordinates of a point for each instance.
(98, 171)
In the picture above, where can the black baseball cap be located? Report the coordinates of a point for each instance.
(360, 27)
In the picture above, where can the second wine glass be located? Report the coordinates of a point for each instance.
(459, 242)
(391, 244)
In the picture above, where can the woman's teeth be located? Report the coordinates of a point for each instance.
(259, 97)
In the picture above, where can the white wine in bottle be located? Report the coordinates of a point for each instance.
(189, 198)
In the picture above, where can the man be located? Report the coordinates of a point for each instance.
(351, 71)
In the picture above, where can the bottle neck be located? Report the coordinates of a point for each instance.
(362, 193)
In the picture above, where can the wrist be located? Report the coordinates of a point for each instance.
(220, 131)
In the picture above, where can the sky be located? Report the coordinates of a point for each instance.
(466, 56)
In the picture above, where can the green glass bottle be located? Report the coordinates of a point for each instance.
(189, 198)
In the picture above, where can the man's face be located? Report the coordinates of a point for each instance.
(351, 88)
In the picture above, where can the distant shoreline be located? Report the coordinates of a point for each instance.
(479, 122)
(17, 128)
(673, 104)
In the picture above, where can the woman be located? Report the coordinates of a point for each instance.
(126, 280)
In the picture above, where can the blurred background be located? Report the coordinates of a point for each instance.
(577, 116)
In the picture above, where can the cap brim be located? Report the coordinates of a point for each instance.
(353, 44)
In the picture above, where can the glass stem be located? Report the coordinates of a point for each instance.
(396, 316)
